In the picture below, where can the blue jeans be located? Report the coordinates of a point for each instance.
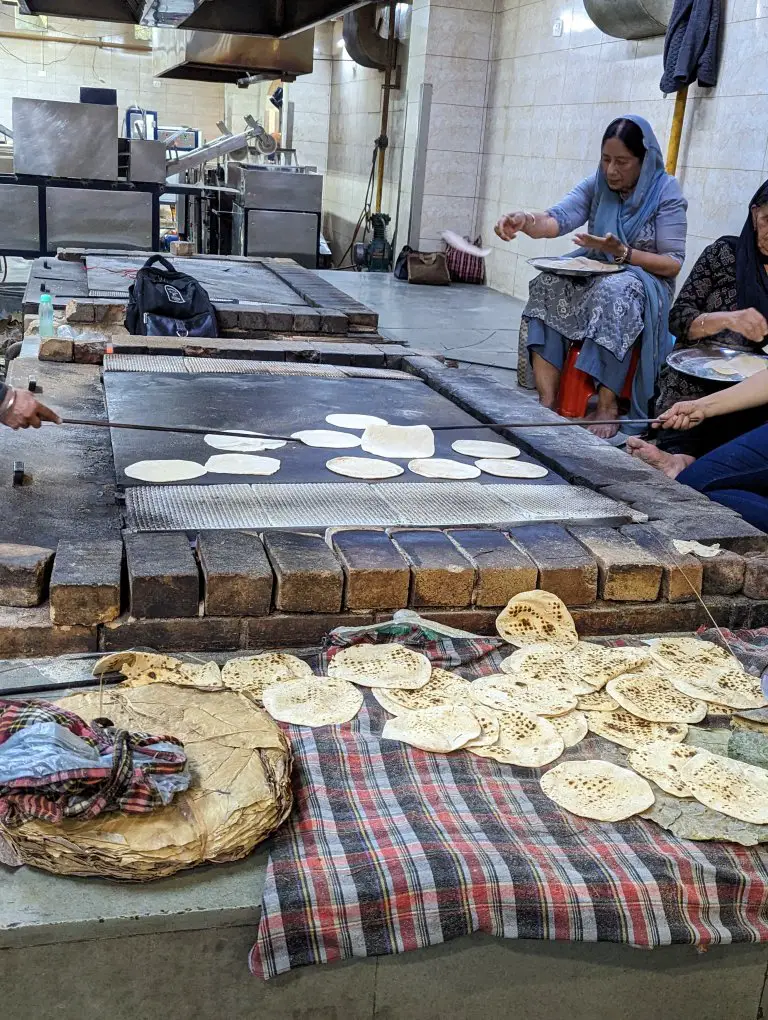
(736, 475)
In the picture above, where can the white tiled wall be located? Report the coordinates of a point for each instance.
(56, 70)
(550, 98)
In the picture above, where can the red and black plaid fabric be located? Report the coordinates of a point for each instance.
(463, 267)
(391, 849)
(84, 793)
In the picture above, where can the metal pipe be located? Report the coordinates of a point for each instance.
(675, 135)
(387, 87)
(101, 44)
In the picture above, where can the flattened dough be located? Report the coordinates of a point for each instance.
(363, 467)
(241, 464)
(161, 471)
(503, 690)
(354, 421)
(439, 467)
(597, 789)
(511, 468)
(406, 441)
(244, 442)
(325, 439)
(485, 449)
(744, 365)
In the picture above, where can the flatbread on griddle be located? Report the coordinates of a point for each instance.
(627, 730)
(572, 727)
(505, 691)
(252, 674)
(441, 728)
(315, 701)
(597, 789)
(385, 665)
(650, 696)
(354, 421)
(442, 688)
(241, 464)
(482, 448)
(737, 789)
(243, 442)
(326, 439)
(159, 472)
(524, 739)
(535, 617)
(363, 467)
(399, 441)
(440, 467)
(510, 468)
(662, 762)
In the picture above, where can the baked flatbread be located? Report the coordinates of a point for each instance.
(439, 467)
(319, 701)
(354, 421)
(490, 726)
(141, 668)
(627, 730)
(583, 668)
(485, 449)
(161, 471)
(662, 762)
(535, 617)
(599, 701)
(407, 441)
(510, 468)
(442, 688)
(525, 740)
(597, 789)
(504, 691)
(572, 727)
(243, 442)
(689, 651)
(241, 464)
(737, 789)
(254, 673)
(386, 665)
(649, 695)
(363, 467)
(722, 685)
(442, 728)
(326, 439)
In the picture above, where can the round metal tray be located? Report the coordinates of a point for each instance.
(693, 361)
(570, 266)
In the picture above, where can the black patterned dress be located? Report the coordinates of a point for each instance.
(711, 287)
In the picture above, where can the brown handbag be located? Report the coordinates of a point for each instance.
(428, 268)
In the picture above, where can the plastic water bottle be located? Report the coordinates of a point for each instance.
(45, 316)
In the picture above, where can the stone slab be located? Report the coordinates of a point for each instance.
(565, 567)
(722, 574)
(756, 577)
(309, 579)
(55, 349)
(29, 632)
(162, 576)
(192, 634)
(24, 573)
(731, 532)
(85, 583)
(683, 575)
(627, 572)
(375, 572)
(502, 569)
(440, 574)
(292, 630)
(237, 576)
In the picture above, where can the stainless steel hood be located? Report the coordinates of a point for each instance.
(274, 18)
(206, 56)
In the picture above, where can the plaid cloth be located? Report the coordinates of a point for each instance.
(114, 783)
(463, 267)
(392, 849)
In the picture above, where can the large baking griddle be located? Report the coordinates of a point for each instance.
(277, 405)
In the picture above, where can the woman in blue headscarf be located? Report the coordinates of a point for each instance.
(636, 217)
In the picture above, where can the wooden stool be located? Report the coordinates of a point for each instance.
(576, 387)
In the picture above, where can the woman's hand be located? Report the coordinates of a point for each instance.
(685, 414)
(510, 225)
(750, 323)
(609, 244)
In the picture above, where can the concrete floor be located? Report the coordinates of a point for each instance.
(464, 321)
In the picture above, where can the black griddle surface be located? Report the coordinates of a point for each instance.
(277, 405)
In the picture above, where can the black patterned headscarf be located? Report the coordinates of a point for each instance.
(751, 275)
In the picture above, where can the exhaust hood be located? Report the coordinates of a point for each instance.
(206, 56)
(274, 18)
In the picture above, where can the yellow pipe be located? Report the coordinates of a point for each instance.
(76, 41)
(387, 88)
(673, 150)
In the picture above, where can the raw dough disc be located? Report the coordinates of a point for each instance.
(326, 439)
(354, 421)
(244, 442)
(406, 441)
(442, 728)
(743, 364)
(483, 448)
(363, 467)
(662, 762)
(160, 471)
(511, 468)
(533, 617)
(737, 789)
(241, 464)
(322, 701)
(597, 789)
(385, 665)
(438, 467)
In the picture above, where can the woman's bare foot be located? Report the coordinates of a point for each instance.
(607, 408)
(670, 464)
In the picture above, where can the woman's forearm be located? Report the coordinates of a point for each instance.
(659, 265)
(751, 393)
(709, 324)
(539, 225)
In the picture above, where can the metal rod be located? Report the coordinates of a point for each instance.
(546, 424)
(676, 133)
(187, 430)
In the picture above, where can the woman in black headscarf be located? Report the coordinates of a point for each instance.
(723, 301)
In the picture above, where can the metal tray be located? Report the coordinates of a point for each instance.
(693, 361)
(573, 266)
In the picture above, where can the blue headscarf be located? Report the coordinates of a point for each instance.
(624, 219)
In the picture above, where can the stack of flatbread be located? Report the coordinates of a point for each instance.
(643, 699)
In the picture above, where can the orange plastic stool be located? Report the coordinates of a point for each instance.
(576, 387)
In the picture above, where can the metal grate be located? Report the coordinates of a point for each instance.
(166, 363)
(382, 504)
(237, 367)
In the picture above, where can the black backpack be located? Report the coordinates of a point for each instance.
(165, 302)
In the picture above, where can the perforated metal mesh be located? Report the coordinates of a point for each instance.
(167, 363)
(234, 366)
(327, 504)
(230, 366)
